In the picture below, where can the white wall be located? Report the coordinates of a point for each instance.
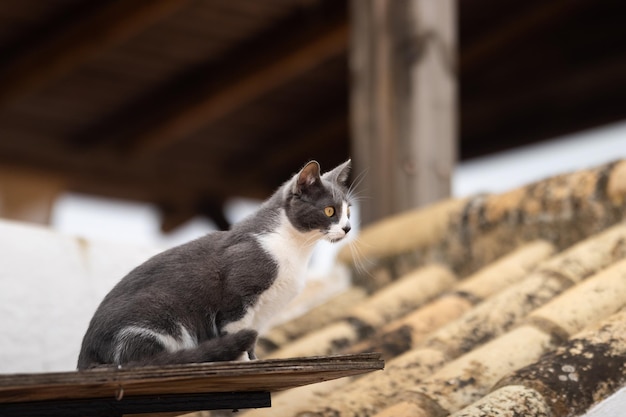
(50, 285)
(506, 170)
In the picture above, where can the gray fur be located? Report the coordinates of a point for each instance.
(186, 295)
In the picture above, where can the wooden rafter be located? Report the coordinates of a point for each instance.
(67, 47)
(176, 184)
(251, 85)
(512, 30)
(307, 146)
(552, 100)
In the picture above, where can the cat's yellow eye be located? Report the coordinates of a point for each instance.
(329, 211)
(348, 211)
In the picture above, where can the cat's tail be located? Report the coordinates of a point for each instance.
(224, 348)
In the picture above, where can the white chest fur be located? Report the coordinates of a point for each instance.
(291, 250)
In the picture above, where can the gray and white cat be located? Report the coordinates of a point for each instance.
(207, 300)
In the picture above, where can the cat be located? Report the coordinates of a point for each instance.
(208, 299)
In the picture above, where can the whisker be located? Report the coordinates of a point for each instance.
(358, 180)
(357, 198)
(361, 263)
(351, 194)
(363, 244)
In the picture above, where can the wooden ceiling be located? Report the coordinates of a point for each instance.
(186, 103)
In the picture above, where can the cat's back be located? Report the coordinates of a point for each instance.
(170, 266)
(183, 271)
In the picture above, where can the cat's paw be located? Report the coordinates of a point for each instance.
(245, 341)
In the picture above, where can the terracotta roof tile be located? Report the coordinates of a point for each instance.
(406, 332)
(468, 234)
(569, 380)
(504, 310)
(468, 378)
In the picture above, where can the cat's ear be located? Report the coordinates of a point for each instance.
(307, 176)
(340, 174)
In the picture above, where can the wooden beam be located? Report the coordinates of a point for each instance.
(557, 106)
(110, 176)
(403, 102)
(174, 215)
(253, 84)
(310, 145)
(316, 133)
(214, 210)
(28, 197)
(484, 51)
(67, 47)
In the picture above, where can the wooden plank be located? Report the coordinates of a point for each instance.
(403, 102)
(72, 45)
(261, 375)
(107, 407)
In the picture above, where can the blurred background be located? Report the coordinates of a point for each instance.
(128, 126)
(155, 121)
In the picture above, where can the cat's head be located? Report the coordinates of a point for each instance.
(320, 202)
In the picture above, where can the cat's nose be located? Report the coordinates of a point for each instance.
(346, 228)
